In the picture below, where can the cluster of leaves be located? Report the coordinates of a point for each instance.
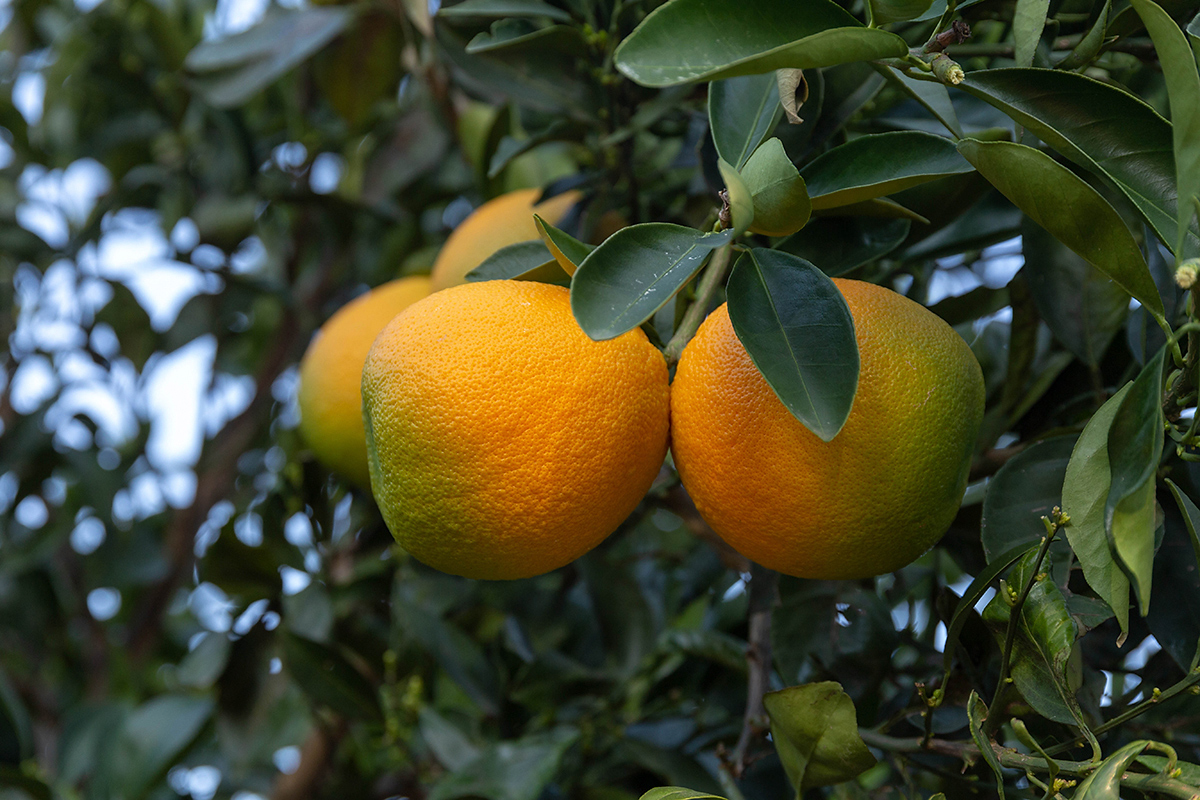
(268, 631)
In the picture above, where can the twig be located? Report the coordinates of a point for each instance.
(764, 592)
(710, 281)
(1011, 758)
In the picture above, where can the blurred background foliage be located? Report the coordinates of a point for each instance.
(190, 606)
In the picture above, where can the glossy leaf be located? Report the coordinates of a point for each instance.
(1183, 88)
(1105, 782)
(693, 40)
(524, 261)
(1098, 126)
(879, 164)
(635, 272)
(741, 202)
(836, 245)
(886, 11)
(1085, 490)
(815, 729)
(796, 327)
(1083, 308)
(677, 793)
(1044, 639)
(1135, 443)
(934, 96)
(568, 251)
(1025, 489)
(502, 8)
(741, 113)
(1075, 213)
(778, 193)
(518, 770)
(1089, 46)
(1029, 20)
(977, 713)
(234, 69)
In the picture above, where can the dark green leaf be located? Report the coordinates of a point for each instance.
(1029, 20)
(781, 205)
(201, 667)
(879, 164)
(15, 723)
(635, 272)
(517, 770)
(815, 729)
(1043, 643)
(966, 603)
(979, 302)
(524, 261)
(692, 40)
(153, 737)
(796, 327)
(502, 8)
(1062, 203)
(514, 33)
(837, 245)
(741, 113)
(1089, 46)
(309, 612)
(1025, 489)
(1183, 87)
(510, 147)
(1135, 443)
(934, 96)
(1098, 126)
(234, 69)
(1083, 308)
(977, 712)
(1105, 782)
(449, 744)
(1189, 773)
(1176, 624)
(1085, 490)
(990, 220)
(939, 7)
(568, 251)
(885, 11)
(329, 679)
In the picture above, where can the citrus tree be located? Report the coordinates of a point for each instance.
(833, 214)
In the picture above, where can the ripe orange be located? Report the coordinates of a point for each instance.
(504, 220)
(870, 501)
(503, 442)
(331, 372)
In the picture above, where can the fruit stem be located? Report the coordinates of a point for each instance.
(710, 281)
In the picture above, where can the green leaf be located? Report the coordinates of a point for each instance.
(635, 272)
(939, 7)
(1191, 516)
(780, 199)
(328, 678)
(966, 603)
(516, 770)
(1045, 636)
(977, 712)
(519, 34)
(885, 11)
(815, 729)
(741, 113)
(934, 96)
(1105, 782)
(837, 245)
(741, 203)
(523, 261)
(202, 666)
(990, 220)
(1026, 738)
(1085, 490)
(677, 793)
(16, 726)
(1025, 489)
(449, 744)
(471, 9)
(1176, 624)
(693, 40)
(1083, 307)
(1062, 203)
(1099, 127)
(153, 737)
(568, 251)
(1029, 20)
(309, 612)
(879, 164)
(1183, 88)
(796, 327)
(1135, 443)
(232, 70)
(1089, 46)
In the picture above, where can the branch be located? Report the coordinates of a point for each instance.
(710, 281)
(1011, 758)
(764, 594)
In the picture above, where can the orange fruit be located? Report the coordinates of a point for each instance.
(505, 220)
(870, 501)
(503, 442)
(331, 373)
